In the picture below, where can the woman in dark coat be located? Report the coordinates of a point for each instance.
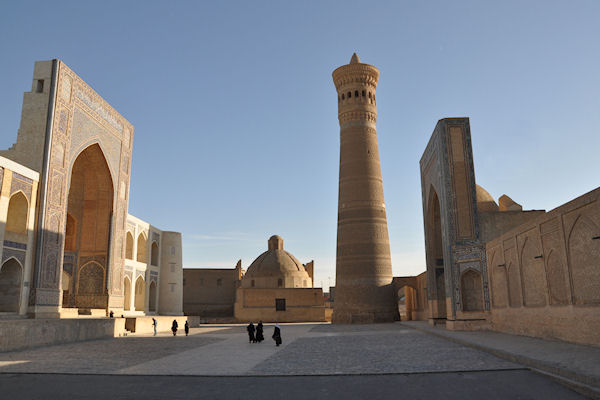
(174, 327)
(259, 332)
(277, 335)
(250, 329)
(186, 328)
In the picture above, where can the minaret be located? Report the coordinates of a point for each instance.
(363, 291)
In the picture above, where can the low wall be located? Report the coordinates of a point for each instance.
(144, 324)
(25, 333)
(569, 323)
(301, 305)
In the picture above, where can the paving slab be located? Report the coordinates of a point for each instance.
(307, 349)
(577, 362)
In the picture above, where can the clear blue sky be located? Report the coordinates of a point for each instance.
(235, 112)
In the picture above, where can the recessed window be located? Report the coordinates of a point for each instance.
(356, 93)
(252, 283)
(349, 94)
(343, 97)
(219, 282)
(279, 282)
(363, 93)
(279, 304)
(39, 88)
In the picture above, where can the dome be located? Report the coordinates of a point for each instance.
(276, 268)
(485, 201)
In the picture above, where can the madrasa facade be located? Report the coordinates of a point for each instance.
(69, 246)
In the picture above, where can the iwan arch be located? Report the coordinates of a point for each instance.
(68, 246)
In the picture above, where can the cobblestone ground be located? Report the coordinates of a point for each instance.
(225, 351)
(375, 350)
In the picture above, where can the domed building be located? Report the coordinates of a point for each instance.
(278, 288)
(276, 268)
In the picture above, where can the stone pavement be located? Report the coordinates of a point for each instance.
(319, 357)
(219, 351)
(572, 361)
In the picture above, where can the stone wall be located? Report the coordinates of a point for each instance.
(545, 274)
(210, 292)
(301, 305)
(26, 333)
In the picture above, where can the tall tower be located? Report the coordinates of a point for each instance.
(363, 291)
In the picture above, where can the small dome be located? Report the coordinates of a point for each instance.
(276, 268)
(485, 201)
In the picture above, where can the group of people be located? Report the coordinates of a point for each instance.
(174, 327)
(255, 334)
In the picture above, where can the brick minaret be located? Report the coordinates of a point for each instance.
(363, 291)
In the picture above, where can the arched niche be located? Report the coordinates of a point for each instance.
(471, 291)
(142, 249)
(140, 294)
(152, 297)
(11, 276)
(127, 294)
(154, 254)
(16, 218)
(129, 246)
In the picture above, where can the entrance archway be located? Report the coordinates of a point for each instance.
(89, 211)
(152, 297)
(435, 260)
(127, 294)
(11, 275)
(140, 294)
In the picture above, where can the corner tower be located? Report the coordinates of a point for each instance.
(363, 264)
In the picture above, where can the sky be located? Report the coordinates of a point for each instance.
(235, 112)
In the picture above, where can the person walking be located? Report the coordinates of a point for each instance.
(154, 325)
(186, 328)
(174, 327)
(277, 335)
(250, 329)
(259, 332)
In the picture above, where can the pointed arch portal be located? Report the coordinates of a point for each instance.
(89, 210)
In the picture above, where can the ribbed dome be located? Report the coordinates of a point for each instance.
(276, 268)
(485, 201)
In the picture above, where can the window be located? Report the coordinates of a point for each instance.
(172, 250)
(349, 94)
(363, 93)
(356, 93)
(279, 282)
(219, 282)
(252, 283)
(40, 86)
(172, 285)
(279, 304)
(343, 97)
(172, 267)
